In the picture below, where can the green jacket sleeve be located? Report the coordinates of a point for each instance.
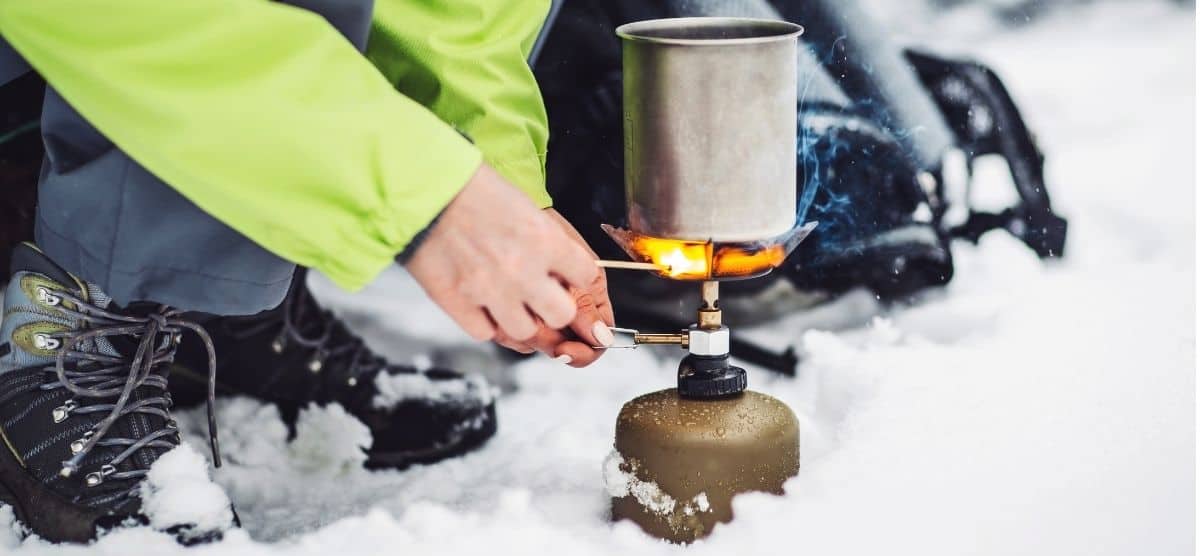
(261, 114)
(467, 61)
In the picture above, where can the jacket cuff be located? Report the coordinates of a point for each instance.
(528, 174)
(397, 229)
(417, 240)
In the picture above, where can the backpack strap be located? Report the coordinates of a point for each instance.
(985, 120)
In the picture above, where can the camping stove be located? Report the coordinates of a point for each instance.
(710, 181)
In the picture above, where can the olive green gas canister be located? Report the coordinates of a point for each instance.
(682, 454)
(679, 461)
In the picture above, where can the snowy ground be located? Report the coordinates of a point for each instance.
(1025, 409)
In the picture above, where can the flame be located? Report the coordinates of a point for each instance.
(685, 260)
(705, 260)
(693, 260)
(739, 261)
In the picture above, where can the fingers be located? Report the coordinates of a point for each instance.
(554, 344)
(574, 263)
(588, 323)
(503, 340)
(580, 354)
(599, 292)
(550, 302)
(512, 317)
(470, 317)
(573, 345)
(545, 341)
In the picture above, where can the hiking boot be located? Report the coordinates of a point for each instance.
(300, 353)
(85, 413)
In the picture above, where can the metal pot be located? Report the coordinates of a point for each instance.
(710, 127)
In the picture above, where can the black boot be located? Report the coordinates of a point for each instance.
(84, 409)
(300, 353)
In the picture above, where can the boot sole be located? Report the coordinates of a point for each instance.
(41, 510)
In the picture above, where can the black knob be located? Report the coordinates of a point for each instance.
(703, 376)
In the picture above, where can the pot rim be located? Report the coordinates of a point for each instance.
(657, 31)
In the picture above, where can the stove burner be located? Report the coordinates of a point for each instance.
(695, 260)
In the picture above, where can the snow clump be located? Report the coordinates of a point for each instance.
(178, 492)
(329, 439)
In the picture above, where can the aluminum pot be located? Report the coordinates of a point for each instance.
(710, 127)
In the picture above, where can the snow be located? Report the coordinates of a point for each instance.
(619, 482)
(1028, 408)
(397, 388)
(11, 531)
(178, 491)
(329, 439)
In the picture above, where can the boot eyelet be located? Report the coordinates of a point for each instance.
(77, 445)
(46, 298)
(352, 381)
(63, 411)
(315, 364)
(45, 342)
(95, 478)
(278, 344)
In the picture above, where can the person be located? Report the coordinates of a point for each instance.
(879, 192)
(197, 154)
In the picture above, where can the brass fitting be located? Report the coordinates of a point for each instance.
(714, 338)
(680, 340)
(709, 316)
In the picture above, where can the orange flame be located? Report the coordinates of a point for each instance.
(706, 260)
(685, 260)
(693, 260)
(738, 261)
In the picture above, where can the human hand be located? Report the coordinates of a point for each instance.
(590, 327)
(500, 267)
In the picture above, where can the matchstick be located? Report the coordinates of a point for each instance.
(630, 265)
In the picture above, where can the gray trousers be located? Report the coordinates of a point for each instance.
(109, 221)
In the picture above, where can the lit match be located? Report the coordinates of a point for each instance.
(630, 265)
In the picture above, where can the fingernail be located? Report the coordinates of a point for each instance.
(603, 335)
(564, 359)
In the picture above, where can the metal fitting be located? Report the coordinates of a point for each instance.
(680, 340)
(709, 315)
(708, 341)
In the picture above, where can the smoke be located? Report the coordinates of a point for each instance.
(822, 103)
(856, 179)
(820, 148)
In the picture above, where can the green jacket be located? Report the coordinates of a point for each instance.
(267, 118)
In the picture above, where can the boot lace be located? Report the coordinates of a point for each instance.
(306, 324)
(112, 380)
